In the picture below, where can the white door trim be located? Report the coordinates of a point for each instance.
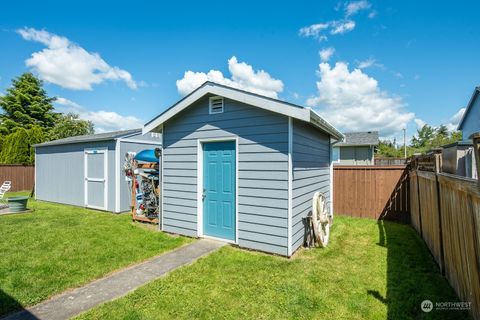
(200, 143)
(105, 176)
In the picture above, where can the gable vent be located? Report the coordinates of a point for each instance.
(216, 105)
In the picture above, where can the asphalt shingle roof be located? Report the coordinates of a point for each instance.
(369, 138)
(91, 137)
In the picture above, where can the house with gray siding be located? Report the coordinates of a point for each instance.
(242, 167)
(87, 171)
(470, 122)
(357, 148)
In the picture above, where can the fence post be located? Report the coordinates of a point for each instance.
(442, 254)
(476, 145)
(419, 206)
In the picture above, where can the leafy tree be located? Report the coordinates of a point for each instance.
(17, 146)
(423, 137)
(25, 105)
(70, 125)
(387, 149)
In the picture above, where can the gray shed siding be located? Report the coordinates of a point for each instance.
(311, 173)
(471, 123)
(262, 171)
(60, 173)
(358, 155)
(60, 170)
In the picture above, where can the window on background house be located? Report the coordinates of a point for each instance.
(336, 154)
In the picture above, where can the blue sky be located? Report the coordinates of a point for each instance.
(384, 65)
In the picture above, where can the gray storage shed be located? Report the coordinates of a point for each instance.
(242, 167)
(87, 171)
(358, 148)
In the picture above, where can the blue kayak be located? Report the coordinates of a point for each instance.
(146, 156)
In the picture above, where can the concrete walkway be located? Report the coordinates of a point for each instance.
(118, 284)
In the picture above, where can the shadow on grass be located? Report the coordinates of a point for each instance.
(412, 276)
(8, 304)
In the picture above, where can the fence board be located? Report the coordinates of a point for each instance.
(414, 203)
(460, 207)
(374, 192)
(22, 177)
(427, 184)
(445, 210)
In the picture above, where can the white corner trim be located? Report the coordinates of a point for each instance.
(35, 176)
(331, 177)
(290, 185)
(117, 174)
(160, 212)
(200, 143)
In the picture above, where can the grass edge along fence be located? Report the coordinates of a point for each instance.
(445, 211)
(21, 176)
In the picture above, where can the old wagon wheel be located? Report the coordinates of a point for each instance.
(320, 219)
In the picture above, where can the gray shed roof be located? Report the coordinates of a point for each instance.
(267, 103)
(369, 138)
(106, 136)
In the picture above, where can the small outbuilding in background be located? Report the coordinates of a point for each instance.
(87, 171)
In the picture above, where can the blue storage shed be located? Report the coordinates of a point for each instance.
(242, 167)
(87, 171)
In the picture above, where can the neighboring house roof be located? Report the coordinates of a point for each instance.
(468, 108)
(369, 138)
(106, 136)
(274, 105)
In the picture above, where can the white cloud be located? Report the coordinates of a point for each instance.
(455, 120)
(341, 27)
(353, 101)
(419, 122)
(355, 6)
(315, 31)
(68, 65)
(366, 63)
(243, 76)
(326, 54)
(319, 30)
(372, 14)
(104, 121)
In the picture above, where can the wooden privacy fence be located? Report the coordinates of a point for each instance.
(22, 177)
(377, 192)
(445, 210)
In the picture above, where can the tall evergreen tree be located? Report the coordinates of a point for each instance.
(25, 105)
(18, 146)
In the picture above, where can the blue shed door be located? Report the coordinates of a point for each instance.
(219, 189)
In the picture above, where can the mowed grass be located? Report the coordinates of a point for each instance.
(369, 271)
(59, 247)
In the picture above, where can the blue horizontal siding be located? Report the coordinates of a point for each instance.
(262, 171)
(311, 173)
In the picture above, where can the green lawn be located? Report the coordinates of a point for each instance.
(369, 271)
(59, 247)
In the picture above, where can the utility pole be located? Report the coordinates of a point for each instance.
(405, 142)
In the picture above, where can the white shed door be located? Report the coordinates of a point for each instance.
(96, 168)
